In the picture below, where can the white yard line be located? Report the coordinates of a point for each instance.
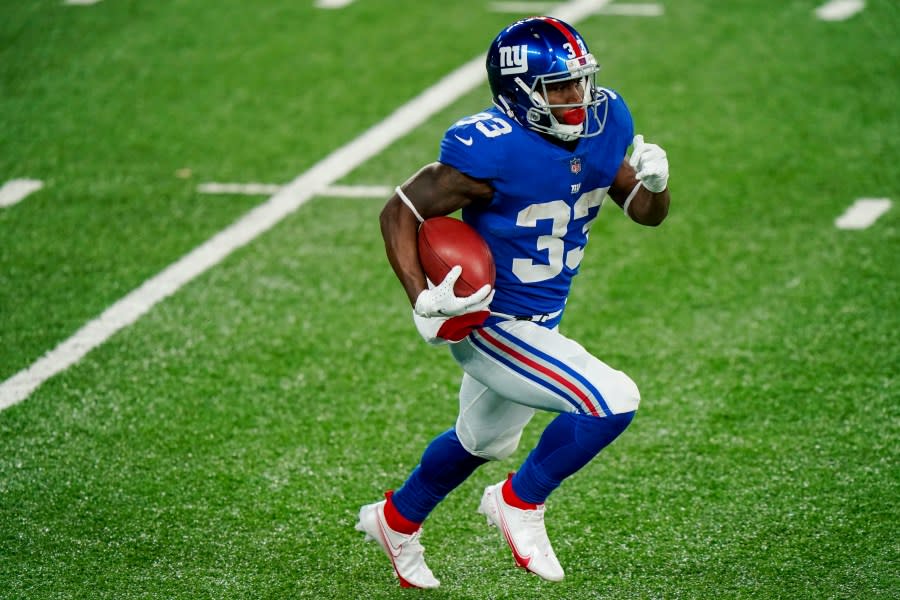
(15, 190)
(248, 189)
(80, 2)
(839, 10)
(600, 7)
(357, 191)
(863, 213)
(332, 3)
(531, 8)
(336, 191)
(573, 12)
(633, 10)
(259, 220)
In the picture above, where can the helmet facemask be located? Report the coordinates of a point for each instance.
(536, 53)
(538, 112)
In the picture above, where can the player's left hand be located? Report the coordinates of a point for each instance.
(651, 165)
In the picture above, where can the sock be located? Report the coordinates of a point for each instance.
(511, 498)
(445, 464)
(394, 519)
(568, 443)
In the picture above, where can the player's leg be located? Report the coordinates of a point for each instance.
(543, 369)
(396, 522)
(489, 425)
(444, 465)
(490, 428)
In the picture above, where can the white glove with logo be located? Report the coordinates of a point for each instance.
(441, 301)
(651, 165)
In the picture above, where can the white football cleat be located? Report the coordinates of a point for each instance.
(524, 532)
(405, 551)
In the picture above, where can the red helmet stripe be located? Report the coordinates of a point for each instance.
(576, 48)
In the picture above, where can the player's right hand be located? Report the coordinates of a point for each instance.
(441, 301)
(442, 330)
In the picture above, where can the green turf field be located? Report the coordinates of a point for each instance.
(221, 446)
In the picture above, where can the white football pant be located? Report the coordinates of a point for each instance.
(515, 367)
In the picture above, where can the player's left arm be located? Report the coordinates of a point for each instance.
(641, 186)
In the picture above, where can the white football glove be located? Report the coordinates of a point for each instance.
(651, 165)
(441, 301)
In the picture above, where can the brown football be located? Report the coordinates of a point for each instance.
(445, 242)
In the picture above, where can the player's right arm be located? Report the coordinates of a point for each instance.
(435, 190)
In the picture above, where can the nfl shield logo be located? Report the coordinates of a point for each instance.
(575, 165)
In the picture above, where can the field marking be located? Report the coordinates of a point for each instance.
(521, 7)
(332, 3)
(259, 220)
(336, 191)
(863, 213)
(248, 189)
(358, 191)
(15, 190)
(634, 10)
(603, 8)
(80, 2)
(839, 10)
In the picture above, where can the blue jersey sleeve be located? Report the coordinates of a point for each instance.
(620, 129)
(476, 145)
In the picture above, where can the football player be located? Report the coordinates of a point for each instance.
(530, 174)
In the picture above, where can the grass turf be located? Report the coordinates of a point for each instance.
(220, 447)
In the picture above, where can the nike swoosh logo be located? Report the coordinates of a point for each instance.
(394, 550)
(522, 560)
(467, 141)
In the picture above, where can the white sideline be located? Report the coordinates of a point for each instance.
(260, 219)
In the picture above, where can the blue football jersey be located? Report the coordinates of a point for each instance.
(545, 199)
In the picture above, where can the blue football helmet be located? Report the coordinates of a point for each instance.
(532, 53)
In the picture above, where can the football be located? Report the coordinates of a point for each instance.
(445, 242)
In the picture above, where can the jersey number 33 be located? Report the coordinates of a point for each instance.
(530, 271)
